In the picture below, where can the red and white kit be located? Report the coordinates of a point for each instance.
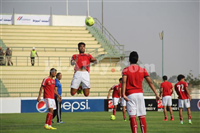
(115, 94)
(166, 96)
(183, 98)
(49, 85)
(134, 92)
(82, 61)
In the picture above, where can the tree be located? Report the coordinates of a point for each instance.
(192, 80)
(173, 79)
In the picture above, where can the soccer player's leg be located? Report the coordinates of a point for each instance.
(141, 112)
(169, 104)
(181, 106)
(123, 105)
(131, 109)
(75, 83)
(164, 102)
(115, 103)
(51, 107)
(86, 83)
(187, 105)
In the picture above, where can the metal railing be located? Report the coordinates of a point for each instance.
(105, 38)
(49, 49)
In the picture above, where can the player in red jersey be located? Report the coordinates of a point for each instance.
(115, 95)
(132, 79)
(48, 84)
(82, 68)
(166, 92)
(122, 102)
(183, 97)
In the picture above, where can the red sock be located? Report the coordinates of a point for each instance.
(165, 117)
(114, 111)
(189, 117)
(49, 118)
(133, 123)
(172, 116)
(181, 118)
(124, 117)
(143, 124)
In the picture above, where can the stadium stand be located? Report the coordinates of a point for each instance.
(55, 46)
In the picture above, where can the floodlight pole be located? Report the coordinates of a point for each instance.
(162, 38)
(102, 17)
(67, 7)
(88, 8)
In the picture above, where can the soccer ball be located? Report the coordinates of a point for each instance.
(89, 21)
(112, 117)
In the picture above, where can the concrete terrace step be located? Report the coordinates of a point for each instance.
(67, 45)
(44, 31)
(47, 38)
(45, 35)
(50, 42)
(43, 27)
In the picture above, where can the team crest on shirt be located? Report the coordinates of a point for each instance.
(49, 83)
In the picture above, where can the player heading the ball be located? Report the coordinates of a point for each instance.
(82, 68)
(132, 78)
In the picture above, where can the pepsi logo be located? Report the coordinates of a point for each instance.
(41, 106)
(198, 104)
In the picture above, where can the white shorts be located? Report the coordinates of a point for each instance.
(123, 102)
(115, 101)
(136, 104)
(181, 103)
(50, 103)
(81, 77)
(167, 101)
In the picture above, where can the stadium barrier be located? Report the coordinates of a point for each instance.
(76, 104)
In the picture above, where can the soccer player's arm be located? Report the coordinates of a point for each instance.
(37, 54)
(73, 60)
(124, 79)
(109, 92)
(56, 93)
(161, 90)
(149, 81)
(92, 59)
(186, 88)
(172, 90)
(41, 88)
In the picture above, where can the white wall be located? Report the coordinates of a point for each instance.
(10, 105)
(61, 20)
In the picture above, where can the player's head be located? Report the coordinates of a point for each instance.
(133, 57)
(59, 76)
(81, 47)
(120, 80)
(180, 77)
(164, 78)
(53, 72)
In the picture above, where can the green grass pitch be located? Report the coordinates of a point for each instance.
(95, 122)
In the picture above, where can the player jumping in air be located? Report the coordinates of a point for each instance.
(48, 84)
(82, 68)
(183, 97)
(166, 92)
(115, 95)
(132, 79)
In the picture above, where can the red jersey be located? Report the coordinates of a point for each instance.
(180, 88)
(135, 75)
(83, 61)
(49, 85)
(115, 93)
(167, 86)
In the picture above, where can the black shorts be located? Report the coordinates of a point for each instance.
(32, 58)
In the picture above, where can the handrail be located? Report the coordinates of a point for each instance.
(47, 48)
(107, 37)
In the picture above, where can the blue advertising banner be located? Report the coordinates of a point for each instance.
(68, 105)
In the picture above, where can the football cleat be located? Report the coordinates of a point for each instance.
(52, 128)
(46, 126)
